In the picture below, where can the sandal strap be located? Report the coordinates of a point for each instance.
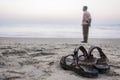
(87, 61)
(64, 57)
(81, 48)
(75, 55)
(103, 57)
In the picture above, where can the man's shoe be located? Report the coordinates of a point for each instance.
(83, 41)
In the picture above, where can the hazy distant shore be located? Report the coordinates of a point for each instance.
(38, 58)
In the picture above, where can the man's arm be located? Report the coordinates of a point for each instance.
(89, 22)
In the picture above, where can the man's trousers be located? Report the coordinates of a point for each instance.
(85, 32)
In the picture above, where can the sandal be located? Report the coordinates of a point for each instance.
(79, 65)
(85, 64)
(68, 62)
(102, 62)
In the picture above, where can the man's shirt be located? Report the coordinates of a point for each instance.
(86, 17)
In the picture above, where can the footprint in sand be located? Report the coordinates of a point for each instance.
(13, 52)
(112, 73)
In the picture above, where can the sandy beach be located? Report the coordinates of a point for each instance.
(38, 58)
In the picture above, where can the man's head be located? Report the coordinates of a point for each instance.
(85, 8)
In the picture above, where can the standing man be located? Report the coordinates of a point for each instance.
(86, 23)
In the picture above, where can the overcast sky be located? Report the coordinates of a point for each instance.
(58, 10)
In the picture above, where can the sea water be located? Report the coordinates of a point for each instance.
(58, 31)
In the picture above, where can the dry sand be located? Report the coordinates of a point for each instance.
(38, 59)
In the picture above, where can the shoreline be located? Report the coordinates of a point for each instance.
(54, 38)
(94, 41)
